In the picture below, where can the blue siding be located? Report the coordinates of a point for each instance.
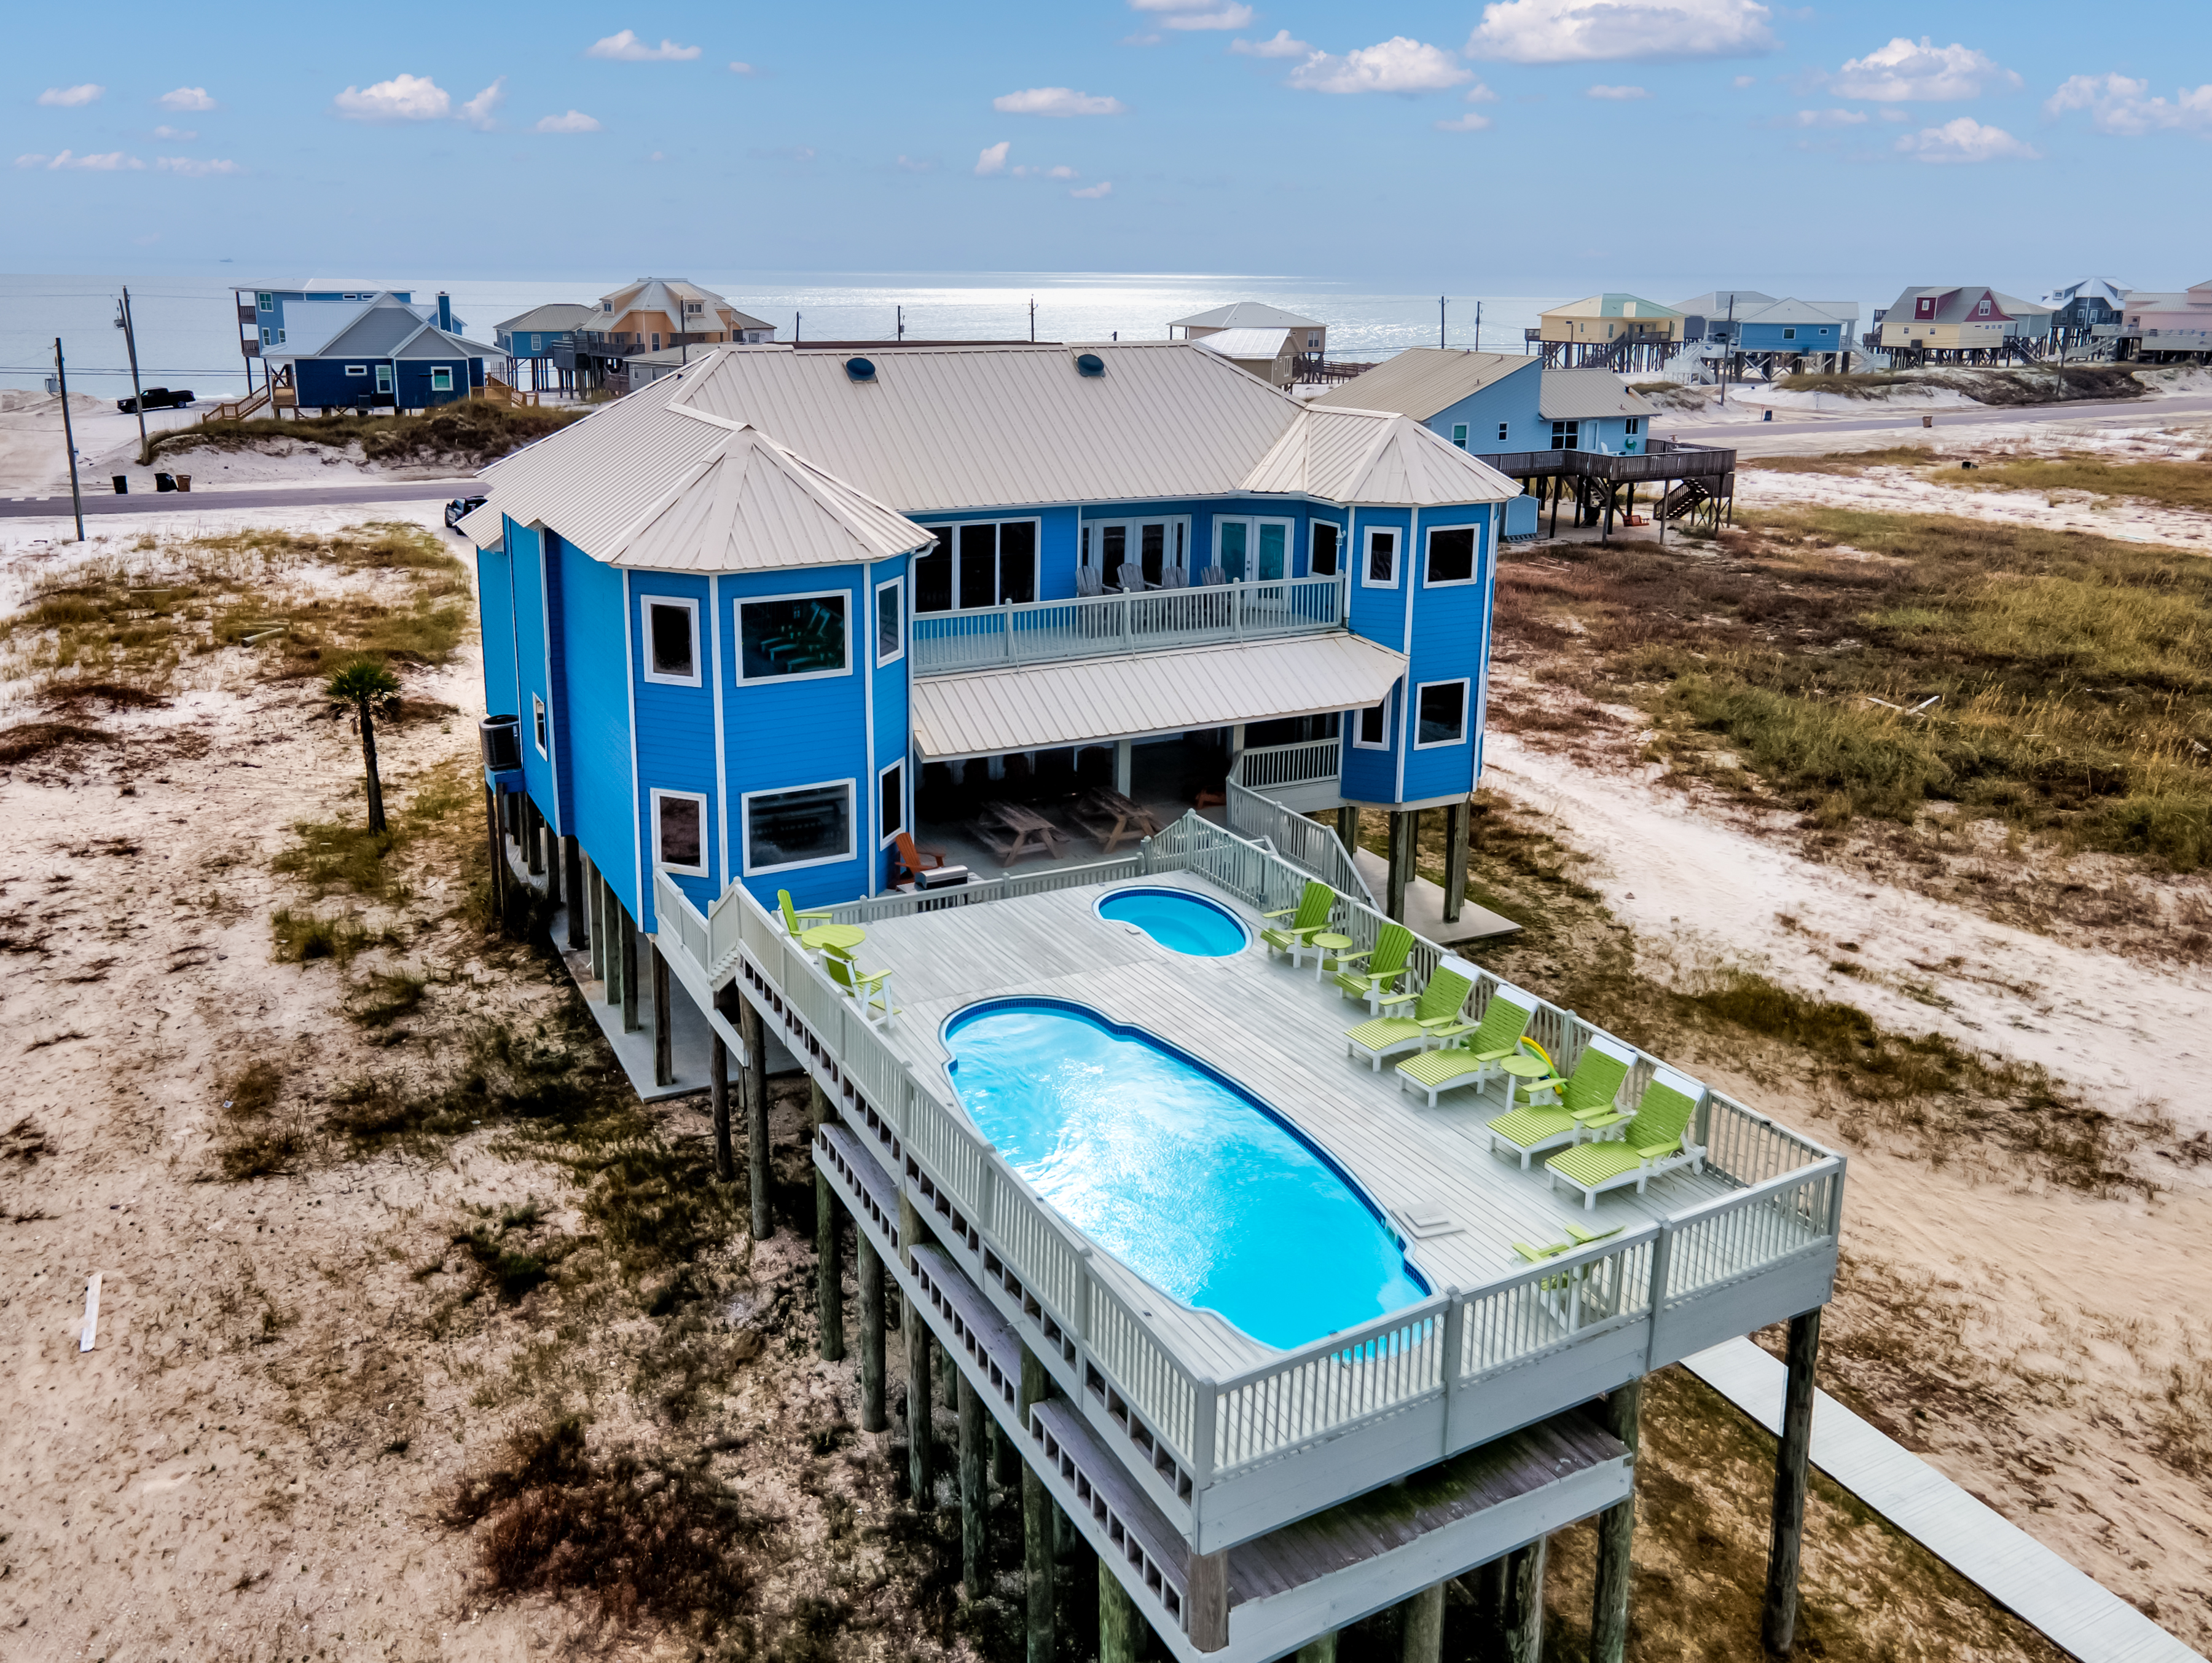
(1452, 632)
(1512, 400)
(891, 728)
(323, 383)
(1803, 336)
(495, 605)
(675, 729)
(595, 694)
(525, 561)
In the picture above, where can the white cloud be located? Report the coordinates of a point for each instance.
(2119, 106)
(69, 98)
(1902, 73)
(575, 122)
(1829, 118)
(1061, 172)
(1092, 192)
(186, 98)
(175, 135)
(993, 159)
(907, 164)
(402, 98)
(739, 67)
(477, 112)
(1966, 140)
(1056, 100)
(1479, 93)
(1743, 81)
(110, 161)
(195, 167)
(1280, 45)
(1599, 31)
(1399, 64)
(1471, 121)
(1197, 14)
(627, 48)
(1618, 95)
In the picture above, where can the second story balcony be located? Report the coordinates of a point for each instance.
(1094, 626)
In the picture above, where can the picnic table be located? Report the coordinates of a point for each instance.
(1113, 818)
(1011, 830)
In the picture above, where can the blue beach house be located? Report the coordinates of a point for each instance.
(764, 616)
(382, 355)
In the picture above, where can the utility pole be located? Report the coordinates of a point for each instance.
(797, 318)
(1727, 351)
(137, 397)
(1477, 326)
(1440, 321)
(1033, 317)
(69, 438)
(899, 313)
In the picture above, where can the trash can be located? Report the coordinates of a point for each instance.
(1927, 421)
(184, 482)
(1768, 417)
(502, 743)
(165, 481)
(122, 485)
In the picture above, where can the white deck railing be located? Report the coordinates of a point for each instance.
(1102, 625)
(1305, 844)
(1309, 761)
(1210, 1430)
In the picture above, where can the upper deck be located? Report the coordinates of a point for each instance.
(1232, 1437)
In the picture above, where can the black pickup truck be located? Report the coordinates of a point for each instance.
(156, 397)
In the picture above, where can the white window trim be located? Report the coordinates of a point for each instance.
(659, 865)
(1313, 538)
(1253, 522)
(1459, 434)
(889, 835)
(737, 620)
(1383, 744)
(746, 825)
(1502, 427)
(1465, 683)
(1474, 571)
(646, 603)
(1089, 549)
(1367, 556)
(998, 575)
(539, 725)
(876, 626)
(357, 370)
(436, 370)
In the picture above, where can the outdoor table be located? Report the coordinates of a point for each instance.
(835, 938)
(1524, 1067)
(1324, 944)
(1113, 818)
(1011, 830)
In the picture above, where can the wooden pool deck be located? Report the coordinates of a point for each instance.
(1277, 1033)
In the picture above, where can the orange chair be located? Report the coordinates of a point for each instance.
(909, 859)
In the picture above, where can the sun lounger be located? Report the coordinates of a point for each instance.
(1310, 918)
(1597, 1081)
(1374, 974)
(1495, 1038)
(1438, 1010)
(1656, 1140)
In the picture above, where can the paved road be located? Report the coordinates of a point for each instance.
(216, 502)
(2145, 410)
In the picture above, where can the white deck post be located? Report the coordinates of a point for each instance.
(1124, 755)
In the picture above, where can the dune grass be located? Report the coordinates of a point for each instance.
(2171, 484)
(473, 431)
(2038, 385)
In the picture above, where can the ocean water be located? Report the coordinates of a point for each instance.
(188, 332)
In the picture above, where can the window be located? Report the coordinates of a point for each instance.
(537, 345)
(671, 641)
(1325, 536)
(1789, 334)
(280, 337)
(1501, 432)
(1566, 435)
(890, 803)
(537, 722)
(384, 379)
(1373, 733)
(441, 379)
(1252, 551)
(1313, 340)
(357, 370)
(1924, 307)
(267, 303)
(792, 635)
(990, 565)
(890, 620)
(1451, 556)
(1382, 560)
(806, 825)
(1459, 434)
(1632, 426)
(268, 336)
(1983, 310)
(1440, 714)
(1155, 546)
(679, 832)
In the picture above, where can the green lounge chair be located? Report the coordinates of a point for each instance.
(864, 987)
(1309, 918)
(1437, 1012)
(1495, 1038)
(1597, 1078)
(1373, 975)
(1656, 1140)
(795, 921)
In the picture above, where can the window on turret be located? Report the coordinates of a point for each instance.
(1440, 714)
(1323, 563)
(679, 832)
(1451, 556)
(671, 641)
(1382, 560)
(890, 620)
(805, 825)
(801, 635)
(1373, 733)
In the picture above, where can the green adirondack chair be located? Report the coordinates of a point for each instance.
(1495, 1038)
(1308, 918)
(1373, 975)
(1597, 1078)
(1437, 1012)
(794, 920)
(864, 987)
(1656, 1140)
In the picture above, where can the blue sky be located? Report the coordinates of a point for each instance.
(1537, 146)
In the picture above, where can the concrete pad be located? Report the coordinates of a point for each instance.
(1425, 907)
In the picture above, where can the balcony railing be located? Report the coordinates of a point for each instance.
(1098, 626)
(1362, 1404)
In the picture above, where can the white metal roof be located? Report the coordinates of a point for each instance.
(1424, 380)
(1248, 343)
(1087, 701)
(1246, 314)
(1584, 395)
(1375, 457)
(1791, 311)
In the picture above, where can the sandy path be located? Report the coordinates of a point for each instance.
(1675, 875)
(1895, 491)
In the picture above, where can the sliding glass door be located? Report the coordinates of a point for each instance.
(993, 563)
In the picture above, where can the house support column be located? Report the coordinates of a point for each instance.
(1320, 1650)
(595, 899)
(498, 862)
(1778, 1621)
(630, 1023)
(973, 1495)
(1509, 1603)
(829, 1274)
(1037, 1510)
(755, 1082)
(533, 835)
(1422, 1639)
(611, 910)
(664, 1020)
(1404, 823)
(1205, 1600)
(1459, 819)
(1124, 754)
(921, 1475)
(1619, 1415)
(1121, 1629)
(572, 889)
(868, 1271)
(1347, 828)
(726, 1001)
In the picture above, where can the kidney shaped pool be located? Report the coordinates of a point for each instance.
(1187, 1179)
(1178, 920)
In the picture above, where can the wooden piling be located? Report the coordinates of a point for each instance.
(664, 1020)
(1509, 1603)
(1459, 821)
(498, 862)
(1405, 824)
(595, 899)
(627, 927)
(921, 1465)
(1320, 1650)
(726, 1001)
(1121, 1630)
(572, 890)
(754, 1082)
(974, 1502)
(1778, 1621)
(1037, 1510)
(1347, 827)
(868, 1270)
(1422, 1639)
(1205, 1600)
(1619, 1414)
(829, 1274)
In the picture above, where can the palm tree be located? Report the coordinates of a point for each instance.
(361, 690)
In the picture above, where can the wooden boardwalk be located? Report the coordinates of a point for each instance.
(2006, 1564)
(1277, 1032)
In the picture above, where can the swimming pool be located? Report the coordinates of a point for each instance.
(1182, 1176)
(1178, 920)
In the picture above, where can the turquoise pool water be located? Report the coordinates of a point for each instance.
(1179, 1175)
(1178, 919)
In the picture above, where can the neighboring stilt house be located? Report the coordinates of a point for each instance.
(750, 616)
